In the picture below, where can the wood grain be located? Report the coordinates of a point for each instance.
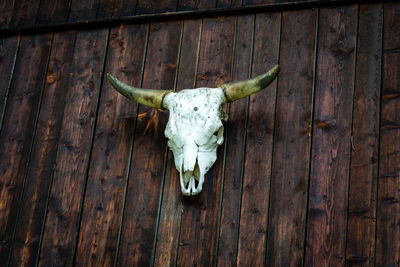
(388, 213)
(73, 150)
(24, 14)
(290, 166)
(52, 12)
(109, 164)
(198, 240)
(6, 11)
(83, 10)
(155, 6)
(360, 241)
(124, 8)
(18, 128)
(172, 205)
(331, 142)
(8, 53)
(149, 151)
(32, 211)
(235, 142)
(258, 151)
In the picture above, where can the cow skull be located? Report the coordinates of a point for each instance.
(194, 129)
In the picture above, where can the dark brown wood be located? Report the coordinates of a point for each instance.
(257, 167)
(106, 9)
(85, 10)
(52, 12)
(198, 239)
(149, 151)
(8, 54)
(18, 128)
(229, 3)
(331, 141)
(24, 13)
(109, 164)
(360, 242)
(235, 142)
(388, 213)
(171, 206)
(73, 150)
(32, 211)
(155, 6)
(292, 137)
(6, 10)
(124, 8)
(257, 2)
(184, 5)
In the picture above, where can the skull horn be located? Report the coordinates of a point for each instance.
(237, 90)
(149, 97)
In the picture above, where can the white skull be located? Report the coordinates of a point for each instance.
(194, 129)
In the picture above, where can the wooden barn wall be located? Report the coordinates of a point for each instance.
(309, 173)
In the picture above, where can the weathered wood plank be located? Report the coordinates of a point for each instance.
(6, 11)
(52, 12)
(360, 242)
(229, 3)
(290, 166)
(8, 54)
(149, 151)
(257, 2)
(257, 167)
(33, 205)
(106, 9)
(388, 213)
(59, 237)
(124, 8)
(199, 228)
(171, 206)
(331, 137)
(24, 14)
(83, 10)
(109, 164)
(235, 142)
(18, 127)
(184, 5)
(155, 6)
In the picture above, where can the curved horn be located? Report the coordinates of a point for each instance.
(148, 97)
(237, 90)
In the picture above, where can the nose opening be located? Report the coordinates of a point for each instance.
(191, 181)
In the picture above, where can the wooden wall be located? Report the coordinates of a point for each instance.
(309, 173)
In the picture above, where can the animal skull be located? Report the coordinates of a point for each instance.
(194, 129)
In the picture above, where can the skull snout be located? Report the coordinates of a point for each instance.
(190, 175)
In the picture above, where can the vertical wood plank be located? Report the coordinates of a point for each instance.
(148, 156)
(6, 10)
(83, 10)
(18, 127)
(229, 3)
(200, 217)
(8, 54)
(155, 6)
(124, 8)
(105, 188)
(106, 9)
(73, 149)
(184, 5)
(388, 213)
(257, 167)
(32, 211)
(290, 166)
(171, 206)
(52, 12)
(24, 14)
(257, 2)
(235, 142)
(331, 137)
(360, 242)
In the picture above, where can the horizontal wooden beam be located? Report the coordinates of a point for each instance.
(179, 15)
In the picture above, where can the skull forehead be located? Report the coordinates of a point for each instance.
(194, 114)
